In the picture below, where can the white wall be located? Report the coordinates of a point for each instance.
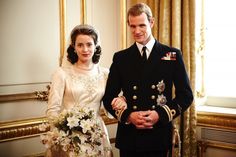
(104, 15)
(28, 35)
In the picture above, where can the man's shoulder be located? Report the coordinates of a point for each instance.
(167, 48)
(125, 51)
(168, 52)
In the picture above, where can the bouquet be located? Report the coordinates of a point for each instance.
(75, 131)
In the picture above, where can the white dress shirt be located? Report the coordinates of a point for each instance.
(149, 46)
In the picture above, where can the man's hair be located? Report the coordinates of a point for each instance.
(138, 9)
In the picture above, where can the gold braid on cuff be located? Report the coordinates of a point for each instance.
(170, 113)
(119, 114)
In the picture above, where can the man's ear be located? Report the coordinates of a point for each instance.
(152, 20)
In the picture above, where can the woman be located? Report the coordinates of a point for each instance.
(82, 84)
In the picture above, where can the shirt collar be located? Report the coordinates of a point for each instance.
(149, 46)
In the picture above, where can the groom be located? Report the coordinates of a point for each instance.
(145, 73)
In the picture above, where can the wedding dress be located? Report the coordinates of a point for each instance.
(73, 86)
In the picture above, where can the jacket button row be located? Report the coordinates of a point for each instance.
(135, 107)
(135, 97)
(135, 87)
(153, 86)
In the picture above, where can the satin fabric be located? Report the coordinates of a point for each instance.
(71, 86)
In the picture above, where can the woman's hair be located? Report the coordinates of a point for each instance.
(138, 9)
(83, 30)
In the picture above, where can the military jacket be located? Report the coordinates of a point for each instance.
(148, 86)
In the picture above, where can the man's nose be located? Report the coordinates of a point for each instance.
(137, 30)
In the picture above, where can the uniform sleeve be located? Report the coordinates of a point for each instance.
(56, 93)
(183, 93)
(106, 73)
(113, 88)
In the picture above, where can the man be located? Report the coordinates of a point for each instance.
(146, 81)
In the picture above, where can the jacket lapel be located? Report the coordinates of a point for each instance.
(153, 62)
(140, 71)
(133, 66)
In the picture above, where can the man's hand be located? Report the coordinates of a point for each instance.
(144, 119)
(151, 118)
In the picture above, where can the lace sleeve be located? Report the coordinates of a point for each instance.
(56, 93)
(105, 72)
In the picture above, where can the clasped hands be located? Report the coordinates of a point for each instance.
(141, 119)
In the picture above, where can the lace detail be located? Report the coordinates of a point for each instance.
(89, 84)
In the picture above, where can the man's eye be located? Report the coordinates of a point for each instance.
(142, 26)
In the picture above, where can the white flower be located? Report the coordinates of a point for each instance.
(72, 122)
(63, 133)
(86, 125)
(76, 130)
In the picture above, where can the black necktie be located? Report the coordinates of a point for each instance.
(144, 56)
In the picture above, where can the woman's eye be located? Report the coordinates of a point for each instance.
(89, 44)
(79, 45)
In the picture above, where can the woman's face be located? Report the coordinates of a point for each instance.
(84, 47)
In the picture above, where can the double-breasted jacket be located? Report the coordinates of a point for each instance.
(148, 86)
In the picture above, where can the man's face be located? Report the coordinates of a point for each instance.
(141, 28)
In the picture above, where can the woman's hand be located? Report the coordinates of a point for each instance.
(119, 103)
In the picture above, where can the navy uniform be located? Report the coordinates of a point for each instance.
(148, 86)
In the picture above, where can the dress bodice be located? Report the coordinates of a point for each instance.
(73, 86)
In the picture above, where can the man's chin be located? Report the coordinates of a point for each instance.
(140, 42)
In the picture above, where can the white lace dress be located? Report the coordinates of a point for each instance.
(72, 86)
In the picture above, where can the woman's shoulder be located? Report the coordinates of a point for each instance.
(61, 71)
(104, 70)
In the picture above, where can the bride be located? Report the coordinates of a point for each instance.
(81, 84)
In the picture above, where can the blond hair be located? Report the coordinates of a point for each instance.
(138, 9)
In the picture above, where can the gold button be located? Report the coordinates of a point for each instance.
(153, 106)
(153, 87)
(135, 107)
(153, 97)
(135, 87)
(173, 112)
(134, 97)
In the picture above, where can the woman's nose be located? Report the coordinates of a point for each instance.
(85, 48)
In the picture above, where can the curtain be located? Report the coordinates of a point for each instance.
(175, 26)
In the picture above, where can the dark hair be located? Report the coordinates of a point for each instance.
(84, 30)
(138, 9)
